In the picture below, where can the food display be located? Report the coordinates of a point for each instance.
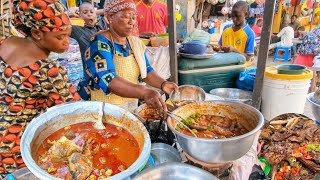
(291, 145)
(212, 126)
(182, 103)
(150, 114)
(79, 151)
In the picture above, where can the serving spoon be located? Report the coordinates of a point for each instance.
(177, 120)
(99, 124)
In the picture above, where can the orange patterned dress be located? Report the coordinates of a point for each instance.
(25, 93)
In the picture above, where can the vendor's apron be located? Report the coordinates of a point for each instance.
(127, 68)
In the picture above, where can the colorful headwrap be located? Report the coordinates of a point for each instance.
(119, 5)
(45, 15)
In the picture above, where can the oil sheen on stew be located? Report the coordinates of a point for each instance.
(80, 151)
(212, 127)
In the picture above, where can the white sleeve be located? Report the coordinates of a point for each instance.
(281, 32)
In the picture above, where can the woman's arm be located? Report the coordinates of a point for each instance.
(124, 88)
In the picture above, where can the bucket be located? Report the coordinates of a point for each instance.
(283, 93)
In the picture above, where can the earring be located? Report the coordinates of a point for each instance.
(39, 38)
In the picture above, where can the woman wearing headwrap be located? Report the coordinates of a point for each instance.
(309, 48)
(115, 61)
(29, 81)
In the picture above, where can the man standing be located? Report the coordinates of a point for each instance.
(152, 16)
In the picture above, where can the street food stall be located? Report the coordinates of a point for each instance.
(201, 137)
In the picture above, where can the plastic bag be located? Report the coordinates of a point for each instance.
(246, 79)
(198, 35)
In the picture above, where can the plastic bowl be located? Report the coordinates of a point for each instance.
(146, 41)
(159, 41)
(290, 69)
(195, 47)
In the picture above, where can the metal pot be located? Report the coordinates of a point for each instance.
(72, 113)
(163, 134)
(175, 171)
(219, 150)
(315, 107)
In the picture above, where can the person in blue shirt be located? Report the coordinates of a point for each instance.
(238, 37)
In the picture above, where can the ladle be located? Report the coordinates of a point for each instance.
(176, 119)
(99, 124)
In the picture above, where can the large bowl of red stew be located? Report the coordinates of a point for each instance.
(225, 130)
(62, 143)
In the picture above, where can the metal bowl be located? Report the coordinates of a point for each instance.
(219, 150)
(175, 171)
(163, 153)
(315, 107)
(86, 111)
(187, 93)
(233, 94)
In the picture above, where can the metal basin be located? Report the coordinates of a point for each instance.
(219, 150)
(175, 171)
(72, 113)
(233, 94)
(187, 93)
(315, 107)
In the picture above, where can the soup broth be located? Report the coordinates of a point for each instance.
(80, 151)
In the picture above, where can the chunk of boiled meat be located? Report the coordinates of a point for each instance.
(80, 166)
(62, 149)
(64, 173)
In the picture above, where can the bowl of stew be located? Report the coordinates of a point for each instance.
(63, 144)
(227, 129)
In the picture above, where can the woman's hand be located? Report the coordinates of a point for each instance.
(153, 99)
(168, 87)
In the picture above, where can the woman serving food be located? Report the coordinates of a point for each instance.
(115, 61)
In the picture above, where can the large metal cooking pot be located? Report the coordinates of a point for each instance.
(175, 171)
(72, 113)
(219, 150)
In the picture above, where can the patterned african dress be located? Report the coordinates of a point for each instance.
(25, 93)
(311, 43)
(99, 66)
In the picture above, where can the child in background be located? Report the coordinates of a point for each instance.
(257, 28)
(301, 32)
(239, 37)
(211, 25)
(82, 34)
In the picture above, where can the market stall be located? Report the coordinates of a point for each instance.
(207, 135)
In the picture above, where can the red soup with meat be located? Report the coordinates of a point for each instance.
(80, 151)
(212, 127)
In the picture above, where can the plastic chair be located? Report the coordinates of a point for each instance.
(283, 53)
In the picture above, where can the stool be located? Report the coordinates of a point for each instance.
(282, 53)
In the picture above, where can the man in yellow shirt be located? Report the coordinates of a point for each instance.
(238, 37)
